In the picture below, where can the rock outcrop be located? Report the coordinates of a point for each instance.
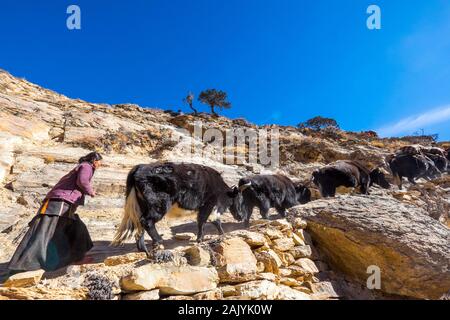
(411, 249)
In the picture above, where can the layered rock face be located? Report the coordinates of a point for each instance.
(43, 134)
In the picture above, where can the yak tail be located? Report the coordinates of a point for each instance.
(131, 224)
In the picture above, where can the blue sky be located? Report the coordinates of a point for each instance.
(281, 61)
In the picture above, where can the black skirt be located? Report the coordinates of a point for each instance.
(56, 238)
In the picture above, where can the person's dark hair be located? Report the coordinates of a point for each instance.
(91, 157)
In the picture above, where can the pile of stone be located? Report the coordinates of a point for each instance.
(272, 260)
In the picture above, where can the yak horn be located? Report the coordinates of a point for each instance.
(245, 187)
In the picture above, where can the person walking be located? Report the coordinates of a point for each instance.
(57, 237)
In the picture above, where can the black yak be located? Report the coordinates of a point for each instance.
(350, 174)
(265, 192)
(156, 189)
(412, 167)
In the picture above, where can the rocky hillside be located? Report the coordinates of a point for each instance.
(322, 252)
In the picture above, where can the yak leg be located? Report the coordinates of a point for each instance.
(398, 181)
(331, 193)
(282, 212)
(264, 213)
(264, 208)
(247, 222)
(411, 180)
(218, 224)
(248, 211)
(202, 218)
(248, 217)
(365, 188)
(140, 243)
(149, 226)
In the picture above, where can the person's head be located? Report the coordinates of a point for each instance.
(93, 158)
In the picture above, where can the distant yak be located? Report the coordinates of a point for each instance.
(416, 161)
(412, 167)
(265, 192)
(350, 174)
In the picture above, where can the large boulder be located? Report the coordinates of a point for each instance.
(411, 249)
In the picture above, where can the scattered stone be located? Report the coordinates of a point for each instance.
(298, 240)
(271, 261)
(258, 223)
(237, 298)
(185, 236)
(286, 258)
(283, 272)
(125, 259)
(260, 267)
(303, 289)
(290, 282)
(176, 298)
(282, 224)
(34, 293)
(260, 289)
(272, 233)
(209, 295)
(307, 265)
(24, 279)
(323, 290)
(283, 244)
(253, 239)
(287, 293)
(267, 276)
(198, 256)
(301, 252)
(228, 291)
(299, 223)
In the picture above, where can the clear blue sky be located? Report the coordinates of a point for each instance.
(281, 61)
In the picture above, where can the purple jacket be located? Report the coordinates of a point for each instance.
(75, 185)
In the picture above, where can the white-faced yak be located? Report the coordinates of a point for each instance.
(350, 174)
(265, 192)
(156, 189)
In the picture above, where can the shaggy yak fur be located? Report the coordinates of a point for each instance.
(265, 192)
(154, 190)
(350, 174)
